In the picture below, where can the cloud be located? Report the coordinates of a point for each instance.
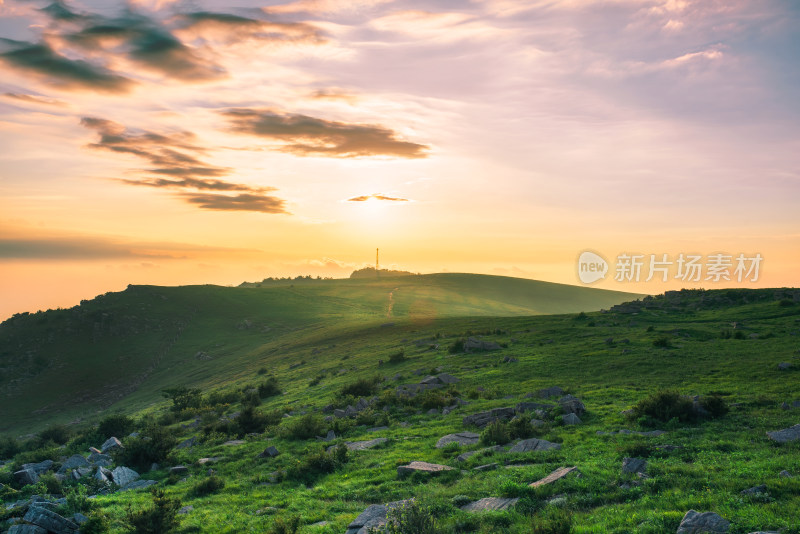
(242, 202)
(41, 60)
(376, 196)
(172, 155)
(302, 135)
(234, 28)
(335, 95)
(33, 99)
(324, 6)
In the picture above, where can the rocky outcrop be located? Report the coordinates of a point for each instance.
(703, 523)
(49, 520)
(534, 445)
(463, 439)
(490, 503)
(558, 474)
(481, 419)
(374, 517)
(785, 435)
(421, 467)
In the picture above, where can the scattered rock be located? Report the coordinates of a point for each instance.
(361, 445)
(73, 462)
(124, 475)
(331, 436)
(178, 470)
(523, 407)
(445, 378)
(707, 522)
(103, 475)
(558, 474)
(234, 442)
(634, 465)
(97, 458)
(473, 344)
(79, 518)
(25, 477)
(49, 520)
(464, 439)
(374, 517)
(553, 391)
(110, 445)
(186, 509)
(534, 445)
(785, 474)
(571, 419)
(481, 419)
(755, 490)
(204, 461)
(571, 404)
(785, 435)
(187, 443)
(421, 467)
(490, 503)
(784, 366)
(138, 484)
(26, 529)
(269, 452)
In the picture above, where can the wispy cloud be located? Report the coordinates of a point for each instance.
(241, 202)
(303, 135)
(377, 196)
(33, 99)
(227, 28)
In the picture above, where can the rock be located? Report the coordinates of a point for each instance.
(490, 503)
(361, 445)
(97, 458)
(755, 490)
(337, 413)
(534, 445)
(487, 467)
(376, 429)
(445, 378)
(187, 443)
(785, 474)
(204, 461)
(103, 475)
(49, 520)
(234, 443)
(784, 366)
(430, 380)
(269, 452)
(481, 419)
(571, 404)
(463, 457)
(509, 359)
(25, 477)
(79, 518)
(350, 411)
(537, 422)
(464, 439)
(81, 472)
(785, 435)
(433, 411)
(473, 344)
(178, 470)
(361, 405)
(373, 517)
(421, 467)
(558, 474)
(634, 465)
(110, 445)
(553, 391)
(331, 436)
(124, 475)
(73, 462)
(319, 524)
(707, 522)
(186, 509)
(138, 484)
(523, 407)
(39, 468)
(571, 419)
(26, 529)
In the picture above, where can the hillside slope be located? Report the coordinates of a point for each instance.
(130, 345)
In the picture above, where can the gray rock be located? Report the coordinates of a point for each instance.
(490, 503)
(39, 468)
(784, 366)
(79, 518)
(97, 458)
(534, 445)
(634, 465)
(331, 436)
(269, 452)
(361, 405)
(339, 413)
(523, 407)
(187, 443)
(186, 509)
(26, 529)
(110, 445)
(138, 484)
(430, 380)
(755, 490)
(553, 391)
(49, 520)
(785, 474)
(785, 435)
(25, 477)
(373, 517)
(350, 411)
(464, 439)
(571, 419)
(571, 404)
(421, 467)
(707, 522)
(212, 460)
(234, 443)
(178, 470)
(445, 378)
(558, 474)
(481, 419)
(486, 467)
(73, 462)
(124, 475)
(364, 445)
(473, 344)
(103, 475)
(81, 472)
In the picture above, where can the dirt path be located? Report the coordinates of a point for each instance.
(391, 302)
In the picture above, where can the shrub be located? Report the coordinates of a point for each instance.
(495, 433)
(305, 427)
(261, 371)
(362, 387)
(208, 486)
(521, 427)
(435, 398)
(552, 521)
(715, 405)
(160, 518)
(663, 406)
(316, 463)
(9, 447)
(398, 357)
(153, 445)
(738, 334)
(58, 434)
(410, 518)
(183, 398)
(250, 421)
(97, 523)
(286, 526)
(51, 484)
(663, 342)
(77, 501)
(457, 346)
(115, 425)
(269, 388)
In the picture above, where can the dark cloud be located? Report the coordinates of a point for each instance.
(234, 28)
(309, 136)
(173, 155)
(146, 43)
(376, 196)
(242, 202)
(40, 59)
(59, 11)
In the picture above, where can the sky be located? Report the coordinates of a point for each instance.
(171, 142)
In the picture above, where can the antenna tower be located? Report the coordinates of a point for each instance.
(377, 272)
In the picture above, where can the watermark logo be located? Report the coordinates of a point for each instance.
(635, 267)
(591, 267)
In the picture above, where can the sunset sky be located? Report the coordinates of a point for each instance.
(163, 142)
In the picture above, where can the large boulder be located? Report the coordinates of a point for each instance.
(73, 462)
(473, 344)
(634, 465)
(421, 467)
(111, 444)
(553, 391)
(97, 458)
(124, 475)
(534, 445)
(361, 445)
(25, 477)
(490, 503)
(374, 517)
(26, 529)
(785, 435)
(571, 404)
(39, 468)
(461, 438)
(49, 520)
(481, 419)
(705, 523)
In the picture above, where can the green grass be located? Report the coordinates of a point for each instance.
(715, 461)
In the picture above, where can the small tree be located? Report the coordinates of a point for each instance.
(160, 518)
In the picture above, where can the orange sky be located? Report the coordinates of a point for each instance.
(499, 137)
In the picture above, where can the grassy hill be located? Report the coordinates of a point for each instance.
(121, 349)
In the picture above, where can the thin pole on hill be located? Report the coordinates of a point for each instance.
(377, 272)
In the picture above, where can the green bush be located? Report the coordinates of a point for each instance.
(250, 398)
(363, 387)
(457, 346)
(153, 445)
(269, 388)
(552, 521)
(305, 427)
(58, 434)
(663, 342)
(410, 518)
(663, 406)
(208, 486)
(251, 421)
(77, 501)
(183, 398)
(715, 405)
(398, 357)
(495, 433)
(160, 518)
(51, 484)
(285, 526)
(521, 427)
(316, 463)
(97, 523)
(115, 425)
(9, 447)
